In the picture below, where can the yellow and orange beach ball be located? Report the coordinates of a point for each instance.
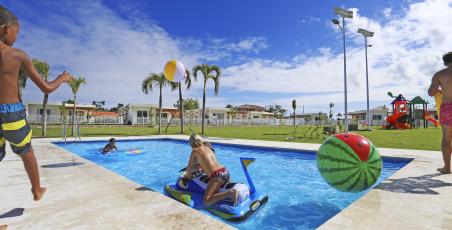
(174, 71)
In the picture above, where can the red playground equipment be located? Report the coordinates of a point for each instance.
(400, 118)
(409, 114)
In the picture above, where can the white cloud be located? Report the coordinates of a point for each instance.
(114, 54)
(406, 53)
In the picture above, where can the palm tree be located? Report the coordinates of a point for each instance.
(331, 110)
(294, 107)
(208, 73)
(178, 85)
(75, 86)
(151, 81)
(43, 69)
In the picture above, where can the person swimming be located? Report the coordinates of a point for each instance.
(110, 146)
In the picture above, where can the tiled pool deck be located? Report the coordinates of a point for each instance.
(82, 195)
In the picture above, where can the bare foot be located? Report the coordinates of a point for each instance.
(234, 196)
(3, 227)
(37, 195)
(444, 170)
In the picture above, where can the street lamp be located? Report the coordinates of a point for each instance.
(367, 34)
(343, 13)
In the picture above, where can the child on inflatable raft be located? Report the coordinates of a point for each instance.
(204, 158)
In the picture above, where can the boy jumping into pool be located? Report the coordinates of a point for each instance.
(13, 124)
(218, 174)
(442, 83)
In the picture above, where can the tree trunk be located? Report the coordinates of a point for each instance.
(74, 111)
(160, 109)
(44, 115)
(181, 109)
(203, 108)
(294, 118)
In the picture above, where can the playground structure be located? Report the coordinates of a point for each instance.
(409, 114)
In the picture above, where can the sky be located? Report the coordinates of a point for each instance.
(270, 51)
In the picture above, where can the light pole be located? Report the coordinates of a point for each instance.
(343, 14)
(367, 34)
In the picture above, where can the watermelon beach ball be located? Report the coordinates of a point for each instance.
(349, 162)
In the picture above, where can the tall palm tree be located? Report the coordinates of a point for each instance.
(331, 110)
(294, 107)
(75, 86)
(155, 80)
(43, 69)
(209, 72)
(178, 85)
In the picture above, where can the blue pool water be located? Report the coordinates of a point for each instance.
(298, 196)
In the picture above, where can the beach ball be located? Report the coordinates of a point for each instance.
(349, 162)
(174, 71)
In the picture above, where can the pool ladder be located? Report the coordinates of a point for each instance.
(78, 136)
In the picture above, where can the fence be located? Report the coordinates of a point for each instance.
(52, 120)
(108, 120)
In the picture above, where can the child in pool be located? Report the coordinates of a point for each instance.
(110, 146)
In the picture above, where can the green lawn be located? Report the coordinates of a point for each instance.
(422, 139)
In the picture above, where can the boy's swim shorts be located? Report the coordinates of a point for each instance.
(14, 129)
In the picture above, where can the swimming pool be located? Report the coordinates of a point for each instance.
(298, 196)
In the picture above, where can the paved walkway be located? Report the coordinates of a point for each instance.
(85, 196)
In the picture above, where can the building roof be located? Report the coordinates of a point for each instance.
(142, 105)
(247, 106)
(79, 106)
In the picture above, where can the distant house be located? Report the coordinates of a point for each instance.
(55, 112)
(378, 115)
(249, 108)
(141, 114)
(311, 118)
(211, 113)
(250, 112)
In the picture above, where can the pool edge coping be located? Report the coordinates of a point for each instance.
(417, 156)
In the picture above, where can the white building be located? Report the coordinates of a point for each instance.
(56, 112)
(144, 114)
(378, 115)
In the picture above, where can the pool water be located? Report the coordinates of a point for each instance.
(298, 196)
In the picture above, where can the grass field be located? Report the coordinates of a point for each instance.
(422, 139)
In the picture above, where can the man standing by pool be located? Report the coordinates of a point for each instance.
(442, 83)
(218, 174)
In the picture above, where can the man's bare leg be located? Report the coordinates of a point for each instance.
(210, 197)
(446, 147)
(3, 227)
(31, 166)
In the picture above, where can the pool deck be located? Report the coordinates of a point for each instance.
(82, 195)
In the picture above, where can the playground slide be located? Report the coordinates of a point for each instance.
(433, 120)
(394, 121)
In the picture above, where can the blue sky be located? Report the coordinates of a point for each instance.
(270, 51)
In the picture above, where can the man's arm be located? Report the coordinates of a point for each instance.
(187, 173)
(46, 87)
(434, 86)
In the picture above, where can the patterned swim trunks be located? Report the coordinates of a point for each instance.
(14, 129)
(445, 113)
